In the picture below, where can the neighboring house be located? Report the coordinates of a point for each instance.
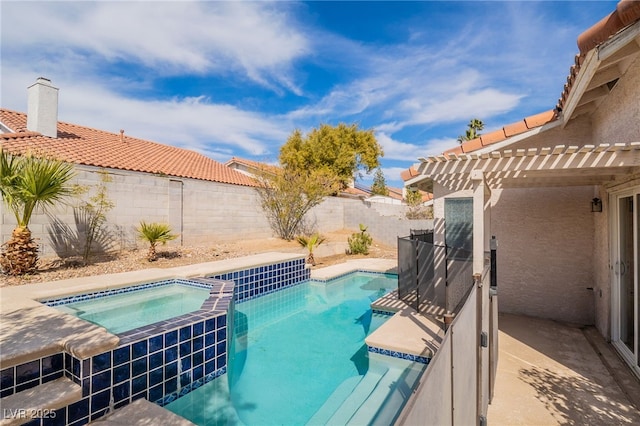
(561, 193)
(150, 181)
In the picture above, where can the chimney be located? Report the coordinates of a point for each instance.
(42, 108)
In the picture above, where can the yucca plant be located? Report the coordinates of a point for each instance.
(155, 233)
(26, 183)
(310, 243)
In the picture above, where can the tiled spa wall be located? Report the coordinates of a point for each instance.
(159, 362)
(260, 280)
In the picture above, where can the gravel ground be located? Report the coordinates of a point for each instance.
(53, 269)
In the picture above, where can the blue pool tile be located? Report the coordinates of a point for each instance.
(221, 361)
(198, 358)
(185, 363)
(185, 348)
(209, 353)
(100, 401)
(101, 381)
(198, 328)
(171, 338)
(27, 371)
(209, 339)
(7, 378)
(76, 366)
(198, 373)
(86, 387)
(139, 349)
(121, 355)
(52, 376)
(185, 379)
(221, 347)
(139, 384)
(170, 370)
(141, 395)
(57, 418)
(139, 366)
(171, 385)
(155, 360)
(121, 392)
(52, 364)
(155, 343)
(221, 321)
(78, 410)
(171, 354)
(155, 393)
(185, 333)
(210, 367)
(101, 362)
(155, 377)
(121, 373)
(6, 392)
(198, 343)
(27, 385)
(221, 334)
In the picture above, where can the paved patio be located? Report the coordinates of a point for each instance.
(551, 373)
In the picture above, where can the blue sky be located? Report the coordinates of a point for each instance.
(236, 78)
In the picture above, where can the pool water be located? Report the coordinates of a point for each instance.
(123, 312)
(296, 355)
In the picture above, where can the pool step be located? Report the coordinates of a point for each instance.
(322, 416)
(347, 399)
(21, 406)
(372, 409)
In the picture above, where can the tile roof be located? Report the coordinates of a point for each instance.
(627, 12)
(91, 147)
(507, 131)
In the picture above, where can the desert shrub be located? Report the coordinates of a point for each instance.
(359, 242)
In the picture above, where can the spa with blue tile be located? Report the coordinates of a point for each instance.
(158, 362)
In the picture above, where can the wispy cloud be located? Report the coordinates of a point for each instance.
(253, 38)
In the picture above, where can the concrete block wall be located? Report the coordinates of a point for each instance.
(201, 212)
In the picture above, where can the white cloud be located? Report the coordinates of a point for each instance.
(255, 38)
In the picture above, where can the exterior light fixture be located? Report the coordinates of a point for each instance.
(596, 205)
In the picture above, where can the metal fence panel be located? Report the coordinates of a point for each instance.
(407, 272)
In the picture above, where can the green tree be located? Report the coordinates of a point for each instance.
(155, 233)
(473, 130)
(340, 151)
(379, 186)
(286, 195)
(26, 183)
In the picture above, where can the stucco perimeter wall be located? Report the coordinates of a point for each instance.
(546, 252)
(201, 212)
(601, 272)
(617, 119)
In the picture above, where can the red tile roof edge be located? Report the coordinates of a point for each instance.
(627, 12)
(77, 144)
(509, 130)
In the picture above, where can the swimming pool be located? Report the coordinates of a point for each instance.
(298, 357)
(122, 312)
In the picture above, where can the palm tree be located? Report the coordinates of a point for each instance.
(155, 233)
(310, 243)
(473, 130)
(26, 183)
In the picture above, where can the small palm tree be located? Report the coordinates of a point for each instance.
(27, 183)
(155, 233)
(310, 243)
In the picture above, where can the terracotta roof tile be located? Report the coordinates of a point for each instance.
(540, 119)
(627, 12)
(457, 150)
(472, 145)
(515, 128)
(92, 147)
(409, 173)
(493, 137)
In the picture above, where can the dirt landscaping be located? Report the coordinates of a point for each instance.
(329, 253)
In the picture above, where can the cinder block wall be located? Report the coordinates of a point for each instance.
(201, 212)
